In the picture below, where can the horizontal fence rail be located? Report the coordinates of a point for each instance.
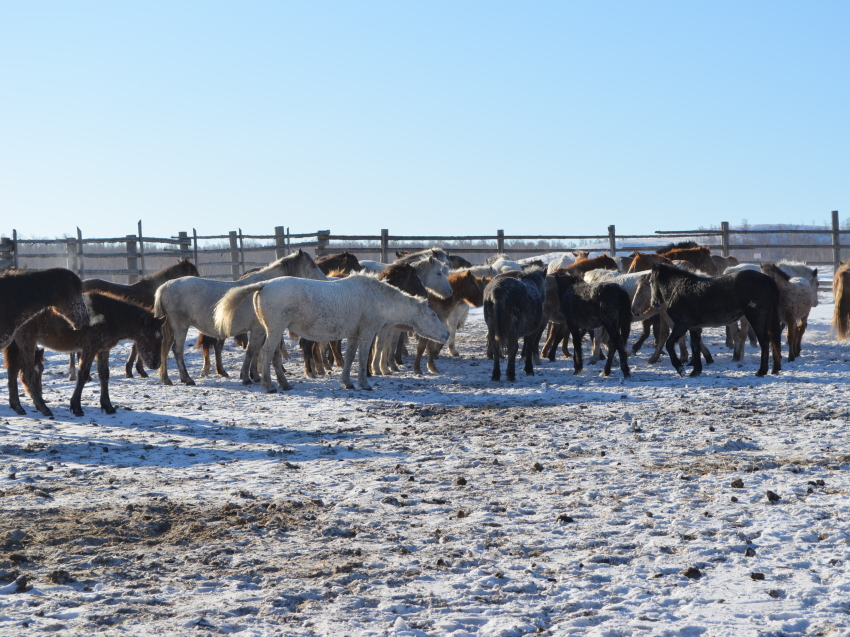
(229, 256)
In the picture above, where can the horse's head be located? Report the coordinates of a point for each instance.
(657, 298)
(706, 263)
(149, 340)
(642, 300)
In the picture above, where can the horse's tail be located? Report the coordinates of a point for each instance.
(841, 314)
(502, 324)
(226, 307)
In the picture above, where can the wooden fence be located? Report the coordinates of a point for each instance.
(126, 259)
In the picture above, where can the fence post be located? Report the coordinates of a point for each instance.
(279, 243)
(724, 238)
(322, 238)
(500, 241)
(612, 241)
(385, 244)
(71, 255)
(132, 261)
(195, 246)
(141, 249)
(241, 252)
(80, 262)
(185, 246)
(234, 255)
(14, 248)
(6, 249)
(836, 242)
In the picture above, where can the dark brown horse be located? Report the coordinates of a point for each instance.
(25, 294)
(116, 320)
(344, 261)
(466, 288)
(699, 257)
(141, 293)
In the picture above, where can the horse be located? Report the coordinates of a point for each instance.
(404, 277)
(456, 262)
(368, 265)
(796, 268)
(723, 262)
(513, 308)
(434, 275)
(434, 252)
(695, 302)
(795, 303)
(356, 308)
(642, 261)
(623, 263)
(699, 257)
(190, 301)
(581, 266)
(25, 294)
(589, 306)
(344, 261)
(681, 245)
(841, 293)
(629, 282)
(503, 264)
(141, 293)
(466, 290)
(117, 320)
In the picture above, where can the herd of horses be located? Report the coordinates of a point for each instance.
(379, 308)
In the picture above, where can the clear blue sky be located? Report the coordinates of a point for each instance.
(424, 118)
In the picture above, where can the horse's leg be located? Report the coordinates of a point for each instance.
(676, 334)
(644, 334)
(350, 353)
(547, 344)
(139, 365)
(578, 360)
(219, 365)
(387, 362)
(696, 351)
(598, 334)
(730, 337)
(86, 360)
(284, 353)
(280, 372)
(430, 346)
(270, 343)
(255, 345)
(167, 341)
(179, 346)
(103, 376)
(420, 349)
(307, 351)
(513, 347)
(13, 358)
(754, 341)
(660, 340)
(801, 329)
(31, 376)
(706, 354)
(205, 348)
(72, 368)
(531, 343)
(741, 340)
(565, 343)
(791, 336)
(336, 350)
(492, 346)
(619, 344)
(401, 349)
(363, 344)
(318, 363)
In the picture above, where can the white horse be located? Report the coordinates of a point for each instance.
(356, 308)
(190, 302)
(436, 252)
(797, 268)
(372, 266)
(434, 275)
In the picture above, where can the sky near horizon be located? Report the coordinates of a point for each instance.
(424, 118)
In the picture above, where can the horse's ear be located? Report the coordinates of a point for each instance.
(815, 274)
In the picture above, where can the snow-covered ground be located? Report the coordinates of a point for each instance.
(442, 505)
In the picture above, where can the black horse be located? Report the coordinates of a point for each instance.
(694, 302)
(114, 320)
(588, 306)
(513, 308)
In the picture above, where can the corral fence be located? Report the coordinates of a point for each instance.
(229, 256)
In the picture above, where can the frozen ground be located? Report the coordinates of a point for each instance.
(446, 505)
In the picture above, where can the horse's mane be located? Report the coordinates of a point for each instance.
(100, 298)
(287, 263)
(677, 253)
(672, 270)
(782, 262)
(677, 246)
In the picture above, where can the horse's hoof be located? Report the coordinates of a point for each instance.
(77, 412)
(188, 381)
(166, 381)
(142, 373)
(247, 381)
(109, 410)
(366, 388)
(694, 374)
(126, 375)
(681, 370)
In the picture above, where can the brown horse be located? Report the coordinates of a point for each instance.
(466, 288)
(603, 261)
(699, 257)
(344, 261)
(25, 294)
(117, 320)
(141, 293)
(841, 293)
(642, 261)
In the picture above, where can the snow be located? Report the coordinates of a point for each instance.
(441, 505)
